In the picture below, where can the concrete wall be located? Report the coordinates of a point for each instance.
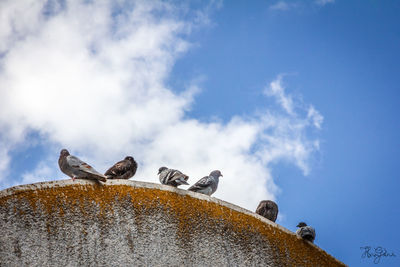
(66, 223)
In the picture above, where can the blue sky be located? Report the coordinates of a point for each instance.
(294, 101)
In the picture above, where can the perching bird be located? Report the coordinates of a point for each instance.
(76, 168)
(123, 169)
(208, 184)
(268, 209)
(172, 177)
(306, 232)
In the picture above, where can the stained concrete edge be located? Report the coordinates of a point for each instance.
(147, 185)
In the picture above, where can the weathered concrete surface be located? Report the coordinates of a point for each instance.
(66, 223)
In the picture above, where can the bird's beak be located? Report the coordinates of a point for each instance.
(222, 175)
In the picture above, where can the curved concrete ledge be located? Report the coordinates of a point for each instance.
(126, 222)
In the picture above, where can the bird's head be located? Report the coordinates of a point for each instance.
(161, 169)
(131, 159)
(301, 224)
(64, 152)
(216, 173)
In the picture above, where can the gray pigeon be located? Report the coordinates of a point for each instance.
(172, 177)
(208, 184)
(123, 169)
(306, 232)
(76, 168)
(268, 209)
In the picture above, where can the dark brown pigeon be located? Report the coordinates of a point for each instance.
(268, 209)
(172, 177)
(123, 169)
(77, 169)
(306, 232)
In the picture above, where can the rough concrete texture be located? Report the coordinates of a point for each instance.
(122, 222)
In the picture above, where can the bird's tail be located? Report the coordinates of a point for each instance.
(98, 177)
(182, 181)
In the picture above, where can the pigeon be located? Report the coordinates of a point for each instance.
(306, 232)
(208, 184)
(76, 168)
(268, 209)
(123, 169)
(172, 177)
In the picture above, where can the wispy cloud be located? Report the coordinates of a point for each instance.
(290, 5)
(324, 2)
(278, 91)
(315, 117)
(283, 6)
(289, 139)
(4, 159)
(41, 173)
(91, 76)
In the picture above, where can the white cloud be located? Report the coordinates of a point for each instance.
(290, 5)
(90, 79)
(283, 6)
(42, 172)
(276, 89)
(281, 218)
(315, 117)
(284, 135)
(324, 2)
(4, 159)
(16, 22)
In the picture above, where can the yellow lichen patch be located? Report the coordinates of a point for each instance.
(188, 212)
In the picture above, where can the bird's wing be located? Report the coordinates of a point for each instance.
(118, 168)
(312, 231)
(79, 164)
(307, 231)
(163, 176)
(261, 208)
(166, 176)
(273, 214)
(202, 183)
(175, 174)
(176, 178)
